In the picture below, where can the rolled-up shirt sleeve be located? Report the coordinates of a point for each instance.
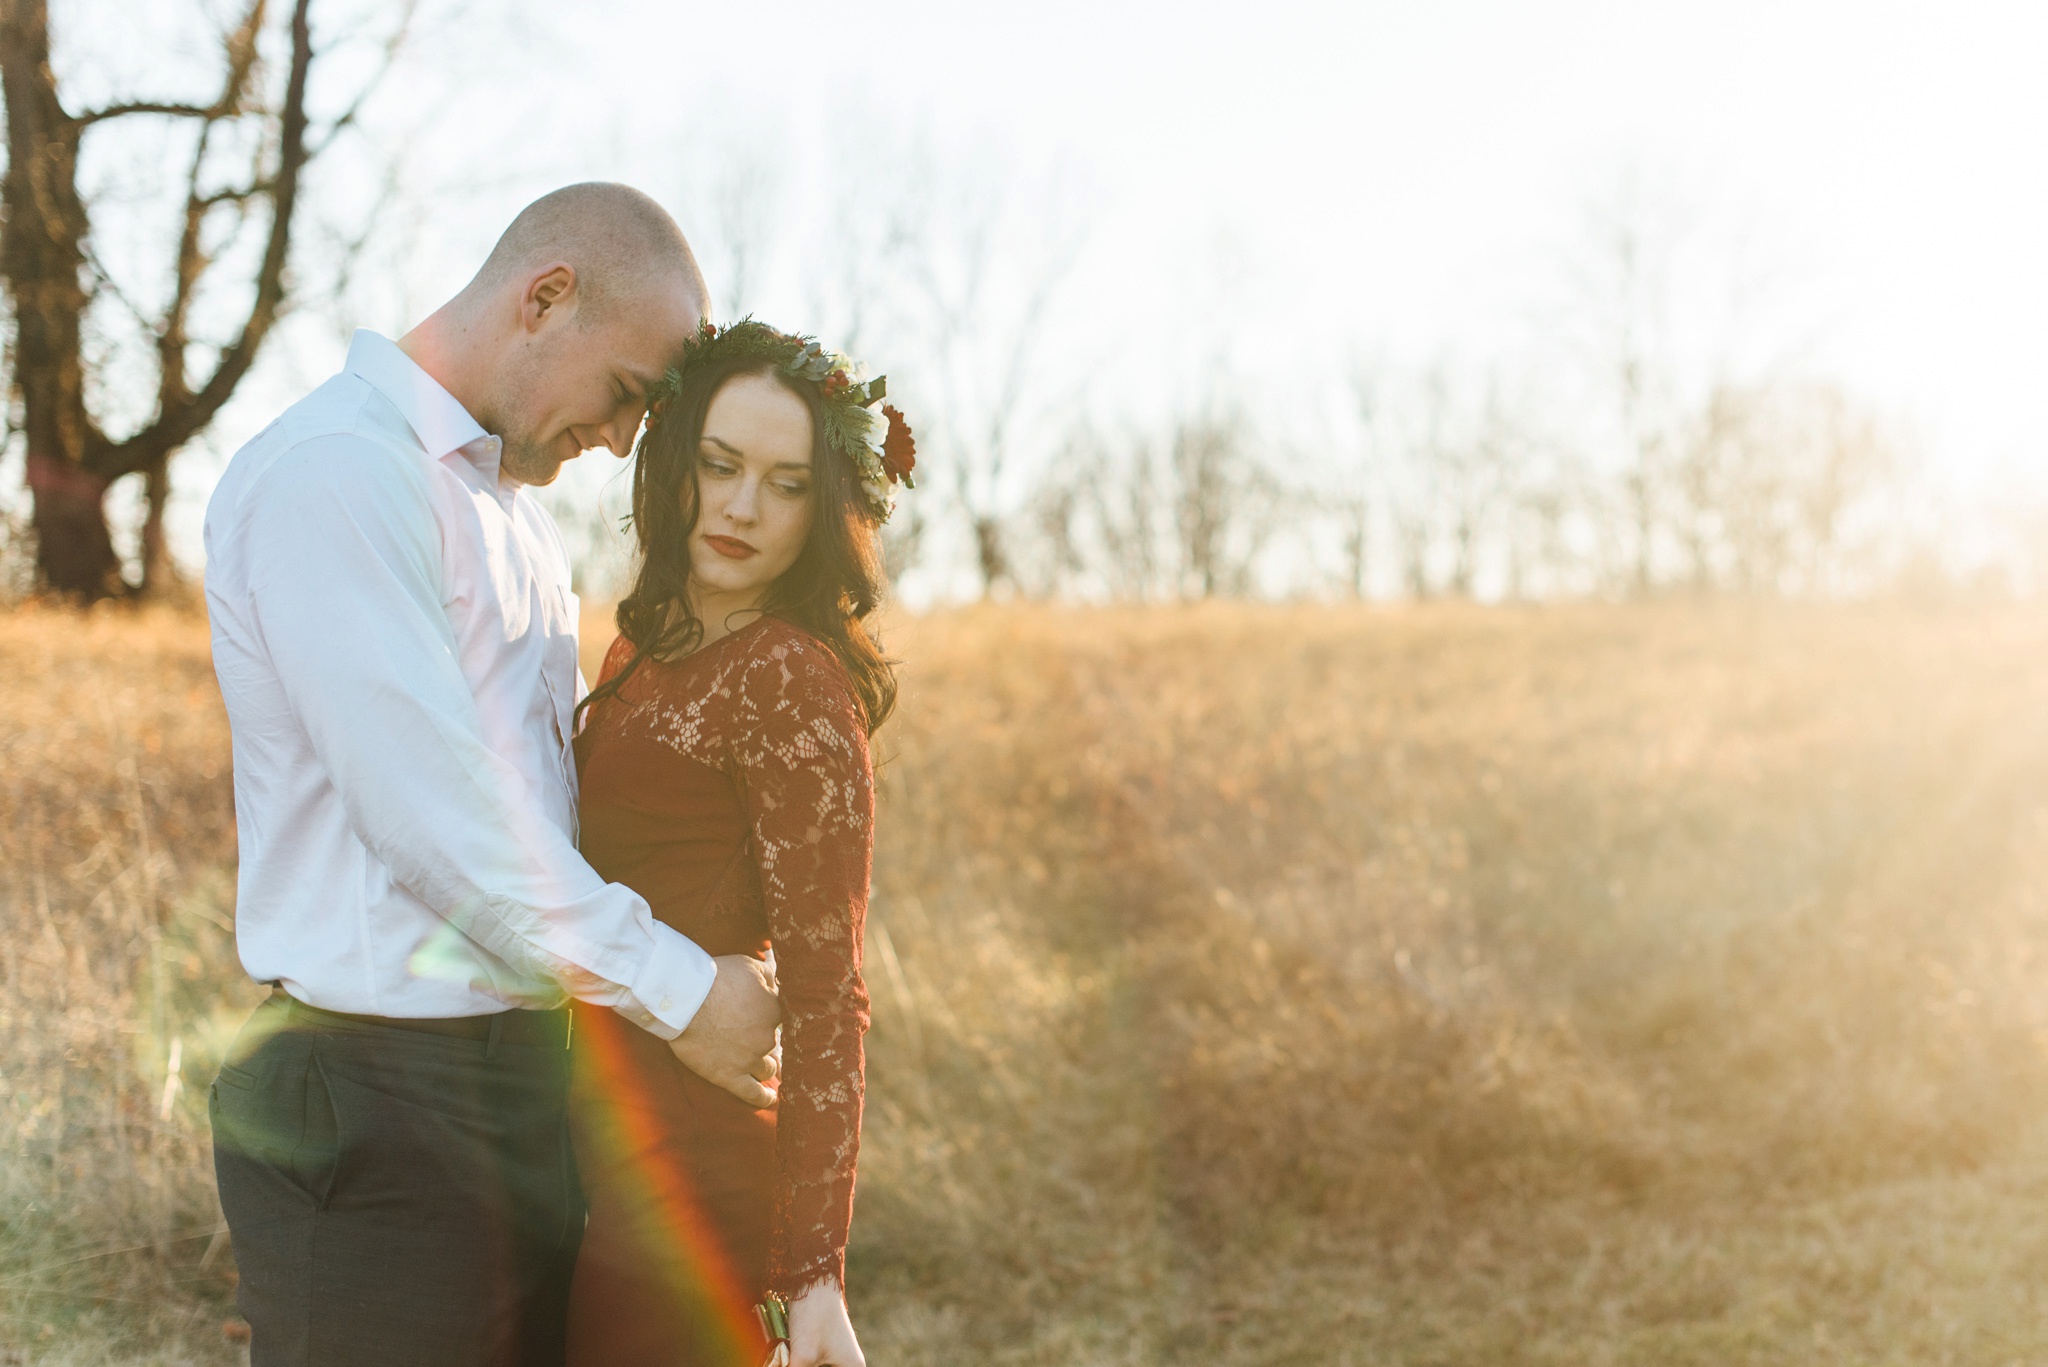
(344, 568)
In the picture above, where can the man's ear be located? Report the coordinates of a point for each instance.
(551, 290)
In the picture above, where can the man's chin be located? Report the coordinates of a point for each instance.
(530, 467)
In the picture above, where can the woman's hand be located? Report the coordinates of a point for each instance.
(820, 1334)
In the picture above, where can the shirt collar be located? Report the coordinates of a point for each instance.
(436, 417)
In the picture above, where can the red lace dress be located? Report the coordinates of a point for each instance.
(731, 789)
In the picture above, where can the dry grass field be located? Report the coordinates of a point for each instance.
(1253, 985)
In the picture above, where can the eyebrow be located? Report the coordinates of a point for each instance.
(722, 445)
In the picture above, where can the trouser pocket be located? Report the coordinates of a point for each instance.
(317, 1156)
(258, 1106)
(265, 1162)
(274, 1126)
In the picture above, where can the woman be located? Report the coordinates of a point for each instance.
(725, 777)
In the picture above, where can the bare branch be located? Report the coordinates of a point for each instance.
(175, 111)
(177, 422)
(191, 264)
(256, 190)
(393, 45)
(240, 45)
(349, 250)
(103, 279)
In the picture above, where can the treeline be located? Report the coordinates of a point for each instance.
(1630, 444)
(1447, 489)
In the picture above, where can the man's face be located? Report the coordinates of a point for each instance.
(571, 386)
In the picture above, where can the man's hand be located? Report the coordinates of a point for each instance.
(731, 1039)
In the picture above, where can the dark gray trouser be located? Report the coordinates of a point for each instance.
(396, 1198)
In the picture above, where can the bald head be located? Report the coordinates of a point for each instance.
(619, 242)
(555, 345)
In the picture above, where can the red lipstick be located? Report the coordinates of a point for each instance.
(732, 548)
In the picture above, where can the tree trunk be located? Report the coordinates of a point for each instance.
(42, 259)
(1358, 545)
(989, 555)
(159, 571)
(75, 553)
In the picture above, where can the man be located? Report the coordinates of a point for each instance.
(396, 642)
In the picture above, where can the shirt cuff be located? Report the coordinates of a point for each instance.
(672, 983)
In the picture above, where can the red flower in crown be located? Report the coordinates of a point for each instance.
(837, 383)
(899, 449)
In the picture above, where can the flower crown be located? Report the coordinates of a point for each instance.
(876, 440)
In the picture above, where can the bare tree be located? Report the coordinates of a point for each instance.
(1620, 280)
(986, 275)
(1456, 481)
(731, 205)
(859, 269)
(1700, 471)
(1126, 508)
(250, 143)
(1535, 542)
(1217, 487)
(1769, 479)
(1353, 507)
(1850, 457)
(1479, 482)
(1414, 498)
(1183, 513)
(1094, 525)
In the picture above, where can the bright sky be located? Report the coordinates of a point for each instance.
(1404, 176)
(1400, 179)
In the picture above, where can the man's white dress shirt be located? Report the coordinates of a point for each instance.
(396, 641)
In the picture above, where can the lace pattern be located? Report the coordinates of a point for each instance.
(773, 711)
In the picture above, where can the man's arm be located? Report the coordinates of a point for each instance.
(343, 559)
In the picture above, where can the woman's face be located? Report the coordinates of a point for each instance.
(754, 482)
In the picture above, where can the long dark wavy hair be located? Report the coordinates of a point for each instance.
(831, 590)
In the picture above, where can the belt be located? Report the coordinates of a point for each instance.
(500, 1027)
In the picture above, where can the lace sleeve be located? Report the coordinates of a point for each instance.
(802, 757)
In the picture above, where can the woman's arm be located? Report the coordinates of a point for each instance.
(802, 760)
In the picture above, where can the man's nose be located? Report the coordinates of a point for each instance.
(620, 431)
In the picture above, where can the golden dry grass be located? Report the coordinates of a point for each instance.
(1255, 985)
(117, 892)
